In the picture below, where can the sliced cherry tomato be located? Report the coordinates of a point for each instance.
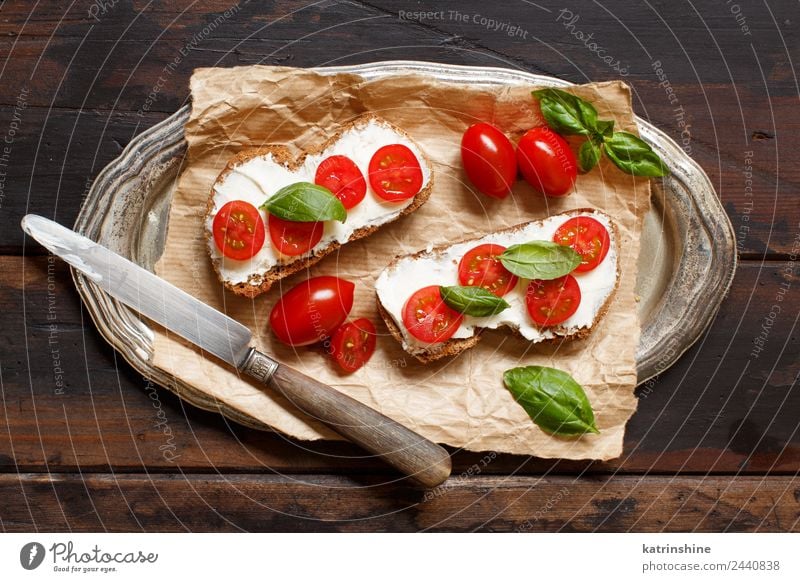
(481, 267)
(340, 175)
(353, 344)
(238, 230)
(489, 160)
(395, 173)
(428, 318)
(552, 302)
(587, 237)
(546, 162)
(310, 311)
(294, 238)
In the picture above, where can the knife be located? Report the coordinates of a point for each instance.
(224, 337)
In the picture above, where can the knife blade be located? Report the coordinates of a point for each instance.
(150, 295)
(224, 337)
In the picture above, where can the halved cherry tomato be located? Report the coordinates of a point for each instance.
(481, 267)
(428, 318)
(311, 311)
(546, 162)
(489, 160)
(238, 230)
(353, 344)
(395, 173)
(552, 302)
(340, 175)
(294, 238)
(587, 237)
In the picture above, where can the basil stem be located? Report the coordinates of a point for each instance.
(540, 260)
(305, 202)
(604, 129)
(474, 301)
(553, 399)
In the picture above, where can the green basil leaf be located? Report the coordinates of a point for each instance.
(540, 260)
(305, 202)
(588, 155)
(475, 301)
(566, 113)
(634, 156)
(553, 400)
(605, 129)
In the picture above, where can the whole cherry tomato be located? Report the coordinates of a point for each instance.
(488, 159)
(546, 162)
(311, 311)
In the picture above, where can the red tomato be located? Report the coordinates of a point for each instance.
(353, 344)
(394, 173)
(310, 311)
(238, 230)
(340, 175)
(546, 162)
(294, 238)
(428, 318)
(587, 237)
(480, 267)
(489, 160)
(552, 302)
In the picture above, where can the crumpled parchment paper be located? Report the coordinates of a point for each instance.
(460, 401)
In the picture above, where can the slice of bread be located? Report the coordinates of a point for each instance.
(439, 266)
(255, 276)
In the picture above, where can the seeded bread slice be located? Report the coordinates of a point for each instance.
(261, 282)
(455, 346)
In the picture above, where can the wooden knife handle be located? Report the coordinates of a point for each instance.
(422, 460)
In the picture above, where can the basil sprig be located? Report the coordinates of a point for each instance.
(568, 114)
(540, 259)
(474, 301)
(553, 399)
(305, 202)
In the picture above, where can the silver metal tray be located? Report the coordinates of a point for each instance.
(686, 266)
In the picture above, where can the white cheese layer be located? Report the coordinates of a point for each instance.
(259, 178)
(399, 281)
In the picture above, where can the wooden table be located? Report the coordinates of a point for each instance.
(88, 444)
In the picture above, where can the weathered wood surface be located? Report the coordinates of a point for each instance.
(714, 445)
(719, 410)
(120, 502)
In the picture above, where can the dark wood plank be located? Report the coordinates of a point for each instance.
(52, 160)
(339, 504)
(107, 61)
(719, 410)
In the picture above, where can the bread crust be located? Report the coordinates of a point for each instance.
(282, 155)
(455, 346)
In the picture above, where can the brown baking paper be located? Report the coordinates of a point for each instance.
(459, 401)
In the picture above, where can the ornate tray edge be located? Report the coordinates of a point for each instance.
(132, 338)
